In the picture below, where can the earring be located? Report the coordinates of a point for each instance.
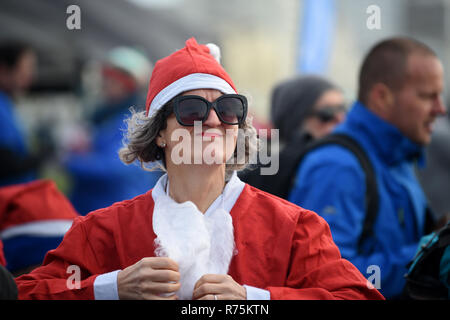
(163, 145)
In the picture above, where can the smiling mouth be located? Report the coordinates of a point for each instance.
(211, 135)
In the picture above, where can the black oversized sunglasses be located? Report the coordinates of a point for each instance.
(230, 108)
(328, 113)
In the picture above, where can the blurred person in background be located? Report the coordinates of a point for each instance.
(400, 86)
(306, 106)
(97, 175)
(17, 67)
(304, 109)
(435, 178)
(34, 217)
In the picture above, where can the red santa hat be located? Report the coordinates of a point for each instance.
(193, 67)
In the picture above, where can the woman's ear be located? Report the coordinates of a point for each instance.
(160, 140)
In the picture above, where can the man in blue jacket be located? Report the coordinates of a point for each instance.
(400, 86)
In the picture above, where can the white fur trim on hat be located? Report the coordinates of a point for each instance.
(189, 82)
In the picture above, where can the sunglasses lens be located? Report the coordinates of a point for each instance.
(325, 115)
(230, 110)
(328, 114)
(190, 110)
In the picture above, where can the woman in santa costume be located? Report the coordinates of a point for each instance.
(200, 233)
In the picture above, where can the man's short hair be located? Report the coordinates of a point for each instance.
(386, 63)
(11, 51)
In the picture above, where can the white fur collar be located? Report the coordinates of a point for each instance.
(199, 243)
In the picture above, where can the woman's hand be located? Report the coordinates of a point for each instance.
(149, 279)
(222, 286)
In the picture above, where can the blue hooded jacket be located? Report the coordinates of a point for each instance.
(99, 177)
(331, 182)
(12, 138)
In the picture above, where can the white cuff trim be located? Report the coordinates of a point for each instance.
(256, 293)
(105, 286)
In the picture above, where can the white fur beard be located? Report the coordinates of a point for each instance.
(199, 244)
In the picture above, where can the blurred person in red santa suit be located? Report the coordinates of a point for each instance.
(200, 233)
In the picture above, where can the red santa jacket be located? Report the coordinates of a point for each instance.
(2, 256)
(281, 248)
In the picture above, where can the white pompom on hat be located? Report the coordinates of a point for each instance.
(193, 67)
(214, 50)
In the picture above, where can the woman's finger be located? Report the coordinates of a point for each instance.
(161, 287)
(208, 288)
(211, 278)
(208, 297)
(160, 263)
(161, 275)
